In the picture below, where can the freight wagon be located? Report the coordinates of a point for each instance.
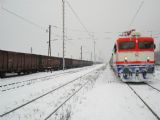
(15, 62)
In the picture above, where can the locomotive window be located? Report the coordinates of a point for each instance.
(146, 45)
(115, 49)
(126, 45)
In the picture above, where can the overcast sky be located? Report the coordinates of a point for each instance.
(102, 18)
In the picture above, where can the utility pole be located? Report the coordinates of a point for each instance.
(94, 50)
(81, 52)
(31, 50)
(91, 56)
(49, 44)
(63, 23)
(158, 57)
(151, 33)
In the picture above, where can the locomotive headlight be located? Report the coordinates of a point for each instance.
(148, 59)
(125, 59)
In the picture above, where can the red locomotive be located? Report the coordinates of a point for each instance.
(133, 57)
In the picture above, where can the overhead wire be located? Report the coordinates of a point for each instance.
(27, 20)
(78, 18)
(138, 10)
(23, 18)
(156, 34)
(46, 29)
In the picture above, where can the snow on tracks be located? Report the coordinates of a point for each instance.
(149, 95)
(30, 111)
(111, 99)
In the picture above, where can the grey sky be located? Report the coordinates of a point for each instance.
(99, 17)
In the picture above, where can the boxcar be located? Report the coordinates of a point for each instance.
(3, 62)
(68, 63)
(28, 63)
(76, 63)
(56, 63)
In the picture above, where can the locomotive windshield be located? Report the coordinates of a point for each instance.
(126, 45)
(146, 45)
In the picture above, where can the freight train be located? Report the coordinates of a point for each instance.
(133, 57)
(15, 62)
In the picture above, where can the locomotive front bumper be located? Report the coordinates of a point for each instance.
(135, 72)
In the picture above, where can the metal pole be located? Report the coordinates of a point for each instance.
(63, 8)
(31, 50)
(91, 56)
(81, 52)
(94, 44)
(151, 33)
(159, 52)
(94, 51)
(49, 44)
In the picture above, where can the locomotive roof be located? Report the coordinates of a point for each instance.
(121, 39)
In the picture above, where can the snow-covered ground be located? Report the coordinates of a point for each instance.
(19, 91)
(98, 95)
(111, 99)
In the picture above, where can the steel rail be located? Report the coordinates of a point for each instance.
(14, 85)
(65, 101)
(150, 109)
(153, 87)
(31, 101)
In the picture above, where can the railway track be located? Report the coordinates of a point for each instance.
(144, 101)
(19, 84)
(153, 87)
(43, 95)
(63, 103)
(146, 93)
